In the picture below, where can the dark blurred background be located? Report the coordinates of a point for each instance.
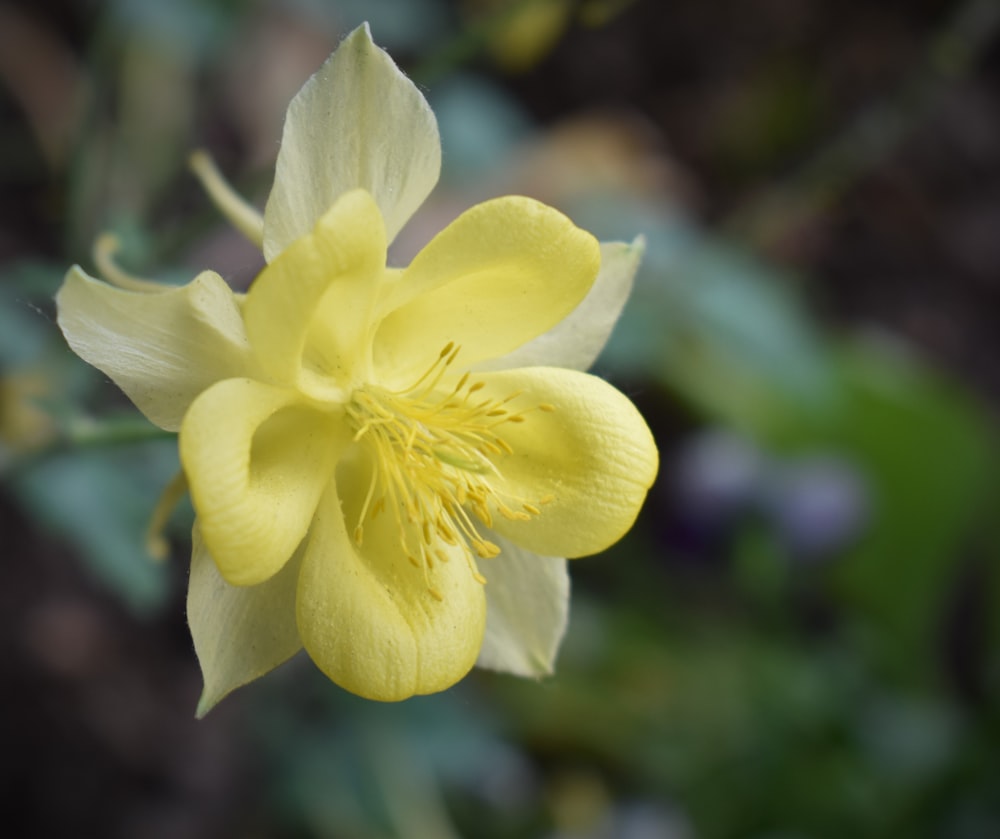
(800, 638)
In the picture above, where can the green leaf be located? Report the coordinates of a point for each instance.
(100, 502)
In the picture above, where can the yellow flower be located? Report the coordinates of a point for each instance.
(387, 465)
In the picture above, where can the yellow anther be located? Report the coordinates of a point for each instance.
(481, 510)
(487, 550)
(436, 459)
(446, 533)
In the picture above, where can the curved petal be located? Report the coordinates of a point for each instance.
(499, 275)
(307, 314)
(239, 632)
(366, 616)
(527, 608)
(358, 123)
(577, 340)
(586, 461)
(257, 460)
(161, 348)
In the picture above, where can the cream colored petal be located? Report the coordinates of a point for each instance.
(367, 616)
(162, 348)
(501, 274)
(257, 460)
(578, 339)
(527, 608)
(308, 313)
(592, 456)
(358, 123)
(239, 632)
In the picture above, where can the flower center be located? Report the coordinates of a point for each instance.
(434, 456)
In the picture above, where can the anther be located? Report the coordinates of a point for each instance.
(487, 550)
(434, 454)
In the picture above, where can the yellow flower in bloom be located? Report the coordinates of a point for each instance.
(387, 465)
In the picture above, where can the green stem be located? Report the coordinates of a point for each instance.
(88, 433)
(85, 433)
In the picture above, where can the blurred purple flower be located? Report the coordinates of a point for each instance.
(819, 504)
(714, 477)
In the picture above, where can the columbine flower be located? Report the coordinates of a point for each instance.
(383, 471)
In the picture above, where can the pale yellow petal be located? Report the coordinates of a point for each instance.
(578, 339)
(358, 123)
(239, 632)
(527, 607)
(161, 348)
(308, 313)
(257, 461)
(501, 274)
(367, 616)
(585, 463)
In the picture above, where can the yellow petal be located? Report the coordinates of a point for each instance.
(257, 460)
(358, 123)
(499, 275)
(527, 607)
(162, 348)
(578, 339)
(586, 465)
(239, 632)
(366, 616)
(307, 314)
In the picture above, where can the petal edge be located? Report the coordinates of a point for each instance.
(161, 348)
(359, 122)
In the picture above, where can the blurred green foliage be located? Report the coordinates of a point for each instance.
(748, 694)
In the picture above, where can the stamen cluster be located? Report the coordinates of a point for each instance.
(434, 454)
